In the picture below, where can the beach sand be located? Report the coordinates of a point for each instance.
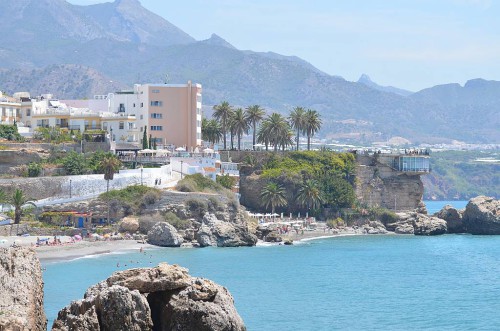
(69, 251)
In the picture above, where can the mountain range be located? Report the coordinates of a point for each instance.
(52, 46)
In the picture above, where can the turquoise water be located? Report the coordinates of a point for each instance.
(359, 283)
(434, 206)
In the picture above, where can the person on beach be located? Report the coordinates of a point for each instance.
(141, 250)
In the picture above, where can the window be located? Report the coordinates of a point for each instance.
(121, 109)
(156, 128)
(156, 103)
(134, 105)
(141, 128)
(141, 117)
(28, 112)
(198, 135)
(142, 104)
(121, 125)
(130, 125)
(156, 115)
(155, 91)
(198, 124)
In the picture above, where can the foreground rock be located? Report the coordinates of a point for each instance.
(164, 234)
(482, 216)
(161, 298)
(453, 218)
(21, 290)
(223, 234)
(129, 224)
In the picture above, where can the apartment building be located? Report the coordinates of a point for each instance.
(10, 110)
(171, 113)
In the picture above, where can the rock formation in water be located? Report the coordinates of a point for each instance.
(223, 234)
(21, 290)
(453, 218)
(482, 216)
(418, 224)
(164, 234)
(162, 298)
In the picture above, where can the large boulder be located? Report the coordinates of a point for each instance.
(418, 224)
(428, 226)
(223, 234)
(453, 218)
(21, 290)
(160, 298)
(482, 216)
(129, 224)
(164, 234)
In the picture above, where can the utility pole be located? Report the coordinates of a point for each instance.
(70, 195)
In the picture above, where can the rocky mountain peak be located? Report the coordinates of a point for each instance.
(217, 41)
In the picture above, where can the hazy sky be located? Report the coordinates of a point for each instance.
(410, 44)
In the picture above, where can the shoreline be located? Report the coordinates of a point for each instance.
(71, 251)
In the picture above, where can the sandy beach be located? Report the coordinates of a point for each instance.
(69, 251)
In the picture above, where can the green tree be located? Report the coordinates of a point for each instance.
(3, 197)
(150, 146)
(240, 125)
(337, 192)
(312, 125)
(297, 121)
(34, 169)
(145, 138)
(309, 194)
(18, 200)
(223, 113)
(254, 115)
(74, 163)
(273, 195)
(211, 131)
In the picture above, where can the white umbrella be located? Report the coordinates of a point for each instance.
(259, 215)
(180, 149)
(208, 150)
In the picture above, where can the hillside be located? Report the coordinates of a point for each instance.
(458, 175)
(65, 81)
(127, 43)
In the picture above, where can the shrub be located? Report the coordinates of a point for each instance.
(34, 169)
(176, 222)
(226, 181)
(387, 217)
(186, 185)
(197, 206)
(214, 204)
(151, 197)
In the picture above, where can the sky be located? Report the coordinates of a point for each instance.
(410, 44)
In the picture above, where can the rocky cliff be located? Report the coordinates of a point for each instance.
(21, 291)
(377, 184)
(162, 298)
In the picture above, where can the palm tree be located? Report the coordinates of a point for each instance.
(273, 195)
(109, 165)
(309, 194)
(312, 125)
(18, 199)
(240, 125)
(286, 139)
(254, 115)
(273, 130)
(211, 130)
(222, 113)
(297, 121)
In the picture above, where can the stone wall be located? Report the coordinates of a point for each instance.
(377, 184)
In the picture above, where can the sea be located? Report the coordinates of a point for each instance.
(393, 282)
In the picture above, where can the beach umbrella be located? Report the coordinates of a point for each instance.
(180, 149)
(208, 150)
(106, 235)
(77, 237)
(95, 235)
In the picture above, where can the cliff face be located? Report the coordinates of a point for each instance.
(377, 184)
(21, 291)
